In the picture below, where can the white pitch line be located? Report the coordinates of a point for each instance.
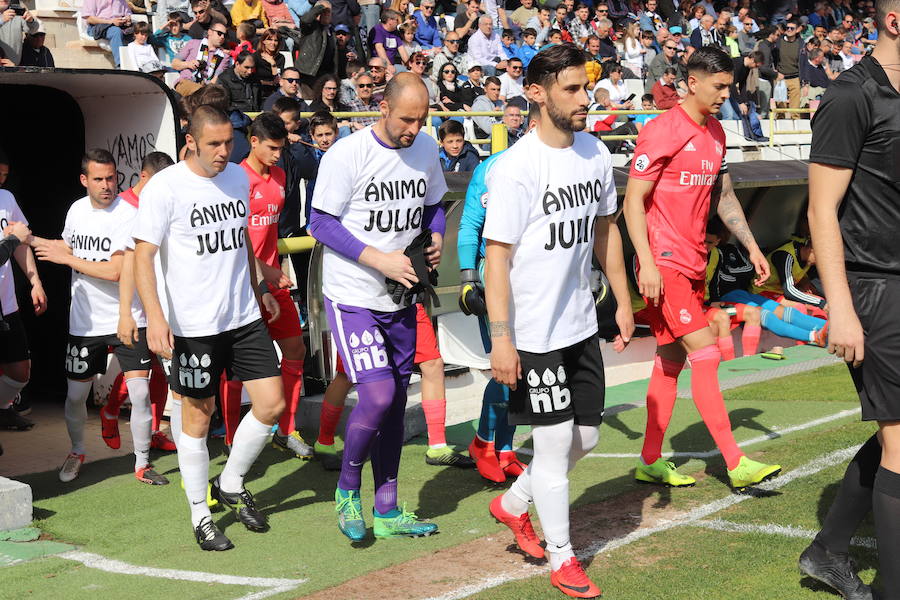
(96, 561)
(773, 529)
(690, 518)
(715, 452)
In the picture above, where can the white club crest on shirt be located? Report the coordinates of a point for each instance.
(684, 316)
(641, 163)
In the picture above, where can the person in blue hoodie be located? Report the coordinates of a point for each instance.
(508, 41)
(529, 46)
(456, 154)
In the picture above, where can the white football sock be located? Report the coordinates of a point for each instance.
(249, 439)
(175, 420)
(76, 412)
(193, 462)
(141, 419)
(518, 497)
(550, 486)
(9, 389)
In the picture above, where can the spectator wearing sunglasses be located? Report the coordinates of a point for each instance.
(428, 34)
(449, 54)
(288, 87)
(511, 81)
(363, 102)
(451, 95)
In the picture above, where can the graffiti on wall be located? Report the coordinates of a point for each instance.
(129, 150)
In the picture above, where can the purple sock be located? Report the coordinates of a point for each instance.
(375, 399)
(386, 452)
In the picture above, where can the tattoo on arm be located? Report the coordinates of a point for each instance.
(499, 329)
(732, 215)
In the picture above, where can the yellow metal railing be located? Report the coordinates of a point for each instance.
(773, 132)
(496, 132)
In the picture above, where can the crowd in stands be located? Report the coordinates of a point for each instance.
(337, 55)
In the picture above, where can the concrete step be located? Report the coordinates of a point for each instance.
(15, 504)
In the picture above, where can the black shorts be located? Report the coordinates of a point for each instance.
(560, 385)
(86, 355)
(247, 353)
(877, 379)
(13, 341)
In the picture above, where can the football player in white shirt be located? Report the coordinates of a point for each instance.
(375, 192)
(15, 365)
(203, 314)
(552, 202)
(94, 240)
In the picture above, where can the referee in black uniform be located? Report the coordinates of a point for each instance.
(854, 217)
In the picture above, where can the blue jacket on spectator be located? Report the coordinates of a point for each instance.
(298, 8)
(526, 53)
(428, 34)
(512, 51)
(467, 160)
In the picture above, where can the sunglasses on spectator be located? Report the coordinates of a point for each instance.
(341, 33)
(451, 41)
(291, 79)
(376, 67)
(365, 85)
(445, 71)
(515, 68)
(671, 47)
(418, 62)
(427, 8)
(602, 10)
(219, 31)
(329, 89)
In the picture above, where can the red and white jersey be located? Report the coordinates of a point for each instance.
(130, 197)
(266, 203)
(684, 160)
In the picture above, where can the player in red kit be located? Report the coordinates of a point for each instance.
(677, 170)
(267, 181)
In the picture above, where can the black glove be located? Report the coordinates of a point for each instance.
(427, 277)
(471, 294)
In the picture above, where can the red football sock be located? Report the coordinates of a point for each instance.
(435, 416)
(159, 393)
(660, 402)
(750, 339)
(328, 422)
(726, 347)
(231, 407)
(708, 399)
(292, 376)
(117, 394)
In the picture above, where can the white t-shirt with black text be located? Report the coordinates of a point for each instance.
(379, 194)
(199, 224)
(96, 234)
(9, 212)
(544, 202)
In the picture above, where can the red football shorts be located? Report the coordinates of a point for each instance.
(288, 323)
(426, 342)
(680, 310)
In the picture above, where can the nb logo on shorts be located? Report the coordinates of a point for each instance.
(365, 353)
(684, 316)
(188, 373)
(546, 396)
(74, 354)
